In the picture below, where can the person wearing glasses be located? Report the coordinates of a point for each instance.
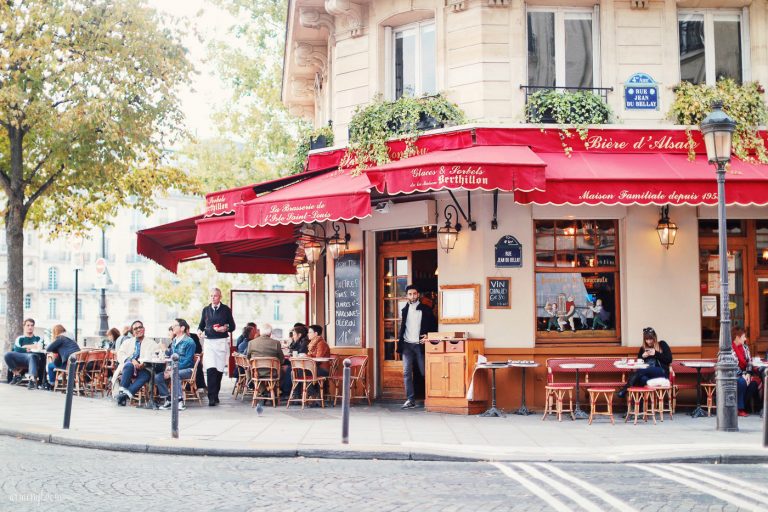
(133, 375)
(656, 354)
(748, 382)
(216, 323)
(182, 345)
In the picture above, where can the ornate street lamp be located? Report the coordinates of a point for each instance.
(302, 272)
(448, 234)
(717, 129)
(337, 245)
(312, 250)
(666, 229)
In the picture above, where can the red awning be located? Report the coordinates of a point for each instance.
(654, 178)
(505, 168)
(268, 250)
(329, 197)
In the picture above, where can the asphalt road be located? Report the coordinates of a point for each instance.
(37, 476)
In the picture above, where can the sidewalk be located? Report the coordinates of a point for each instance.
(378, 432)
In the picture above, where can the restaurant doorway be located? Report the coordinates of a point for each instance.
(404, 256)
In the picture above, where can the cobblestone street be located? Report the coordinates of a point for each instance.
(38, 476)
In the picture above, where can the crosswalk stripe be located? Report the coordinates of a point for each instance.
(614, 502)
(733, 500)
(559, 487)
(719, 479)
(535, 489)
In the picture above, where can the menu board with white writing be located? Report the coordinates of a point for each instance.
(348, 295)
(498, 293)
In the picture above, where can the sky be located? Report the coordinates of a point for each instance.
(199, 99)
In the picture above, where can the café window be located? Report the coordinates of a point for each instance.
(711, 45)
(562, 47)
(413, 60)
(577, 277)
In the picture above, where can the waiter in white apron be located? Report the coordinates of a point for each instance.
(216, 323)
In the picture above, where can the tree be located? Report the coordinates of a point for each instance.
(87, 103)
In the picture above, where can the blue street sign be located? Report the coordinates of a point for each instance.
(509, 253)
(641, 92)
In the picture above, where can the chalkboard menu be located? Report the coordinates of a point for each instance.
(348, 295)
(498, 293)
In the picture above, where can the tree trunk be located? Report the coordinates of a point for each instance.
(14, 236)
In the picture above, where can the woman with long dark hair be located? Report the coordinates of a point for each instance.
(656, 354)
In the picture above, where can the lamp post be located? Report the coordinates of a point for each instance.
(717, 129)
(103, 317)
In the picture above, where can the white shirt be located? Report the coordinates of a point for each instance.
(413, 324)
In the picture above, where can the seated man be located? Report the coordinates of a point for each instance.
(19, 359)
(265, 346)
(245, 337)
(63, 346)
(134, 375)
(184, 346)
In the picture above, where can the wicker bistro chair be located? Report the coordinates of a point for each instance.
(265, 371)
(62, 376)
(304, 374)
(110, 367)
(95, 372)
(189, 386)
(358, 379)
(243, 376)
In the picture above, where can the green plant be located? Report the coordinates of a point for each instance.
(373, 125)
(578, 109)
(744, 103)
(302, 148)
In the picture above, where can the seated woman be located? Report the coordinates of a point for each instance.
(318, 348)
(656, 354)
(300, 345)
(747, 384)
(63, 346)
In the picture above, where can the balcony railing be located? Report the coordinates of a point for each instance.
(602, 92)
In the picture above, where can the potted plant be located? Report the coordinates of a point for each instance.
(578, 109)
(743, 102)
(309, 139)
(407, 118)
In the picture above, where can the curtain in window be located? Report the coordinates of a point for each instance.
(728, 49)
(691, 37)
(541, 49)
(578, 51)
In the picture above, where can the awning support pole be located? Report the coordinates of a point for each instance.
(472, 224)
(494, 222)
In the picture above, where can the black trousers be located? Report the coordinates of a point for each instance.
(214, 383)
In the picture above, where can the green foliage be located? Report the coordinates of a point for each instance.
(743, 103)
(578, 109)
(372, 126)
(302, 148)
(88, 101)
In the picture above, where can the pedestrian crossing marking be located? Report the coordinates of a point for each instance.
(611, 500)
(531, 486)
(719, 479)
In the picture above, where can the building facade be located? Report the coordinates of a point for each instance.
(488, 56)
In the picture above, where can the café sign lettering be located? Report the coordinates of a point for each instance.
(646, 142)
(625, 196)
(455, 176)
(293, 213)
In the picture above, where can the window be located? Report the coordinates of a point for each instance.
(28, 301)
(276, 310)
(134, 308)
(53, 278)
(52, 309)
(577, 276)
(562, 48)
(710, 46)
(136, 281)
(413, 49)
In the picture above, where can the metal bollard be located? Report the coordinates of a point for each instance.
(345, 403)
(175, 388)
(71, 376)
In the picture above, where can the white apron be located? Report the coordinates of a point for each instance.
(215, 353)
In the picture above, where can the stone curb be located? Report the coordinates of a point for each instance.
(373, 453)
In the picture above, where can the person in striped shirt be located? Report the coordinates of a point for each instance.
(19, 358)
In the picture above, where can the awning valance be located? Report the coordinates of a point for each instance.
(504, 168)
(170, 244)
(334, 196)
(653, 178)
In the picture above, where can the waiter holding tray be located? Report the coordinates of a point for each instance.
(216, 323)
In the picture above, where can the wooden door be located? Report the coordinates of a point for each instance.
(709, 276)
(436, 381)
(454, 372)
(395, 273)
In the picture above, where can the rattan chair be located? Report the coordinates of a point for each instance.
(61, 375)
(189, 386)
(358, 379)
(94, 372)
(243, 376)
(304, 374)
(265, 374)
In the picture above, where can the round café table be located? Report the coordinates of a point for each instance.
(153, 365)
(493, 411)
(698, 412)
(40, 355)
(523, 410)
(578, 414)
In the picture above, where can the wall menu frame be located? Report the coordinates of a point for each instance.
(459, 304)
(499, 292)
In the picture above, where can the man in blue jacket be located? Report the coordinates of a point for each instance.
(417, 321)
(184, 346)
